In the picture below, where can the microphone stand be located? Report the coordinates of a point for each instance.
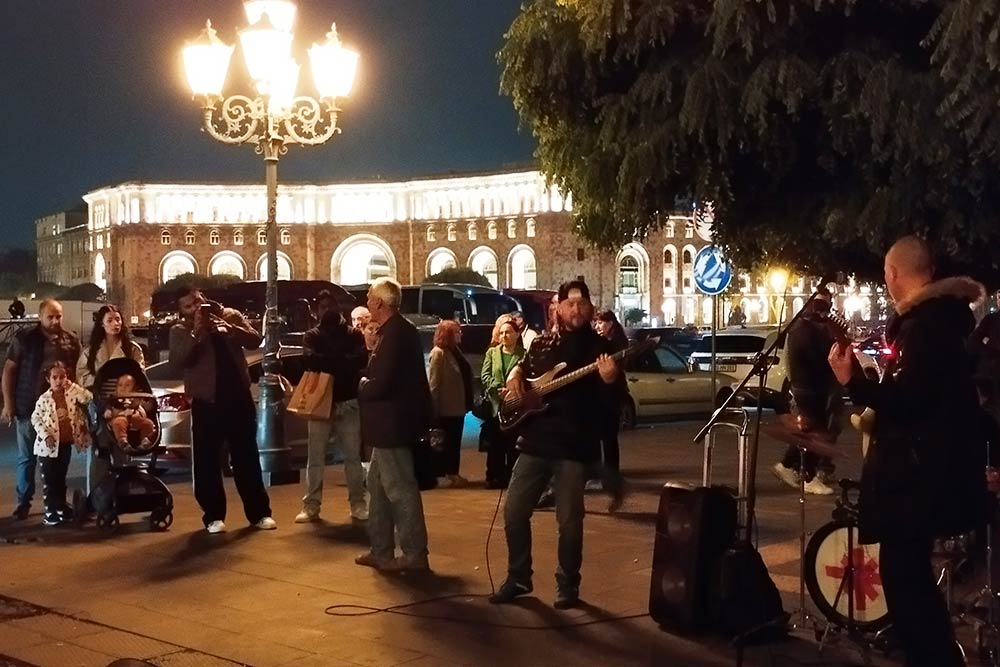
(761, 366)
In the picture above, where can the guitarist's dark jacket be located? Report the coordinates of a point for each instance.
(394, 397)
(569, 428)
(924, 475)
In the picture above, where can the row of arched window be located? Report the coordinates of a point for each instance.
(472, 230)
(215, 237)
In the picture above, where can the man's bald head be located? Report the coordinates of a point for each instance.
(909, 265)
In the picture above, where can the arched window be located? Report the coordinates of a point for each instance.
(213, 237)
(176, 263)
(529, 228)
(484, 262)
(689, 230)
(261, 237)
(628, 275)
(669, 269)
(473, 232)
(285, 237)
(512, 229)
(361, 259)
(491, 230)
(284, 267)
(439, 260)
(238, 237)
(669, 230)
(452, 232)
(227, 263)
(522, 269)
(431, 236)
(165, 237)
(189, 237)
(688, 258)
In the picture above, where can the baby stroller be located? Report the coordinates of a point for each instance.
(129, 487)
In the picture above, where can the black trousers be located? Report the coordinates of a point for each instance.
(54, 479)
(501, 452)
(916, 607)
(449, 458)
(212, 426)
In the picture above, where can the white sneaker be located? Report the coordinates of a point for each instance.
(216, 527)
(786, 475)
(359, 512)
(307, 515)
(267, 523)
(817, 487)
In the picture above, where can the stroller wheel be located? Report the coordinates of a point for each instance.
(160, 522)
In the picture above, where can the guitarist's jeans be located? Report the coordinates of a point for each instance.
(530, 477)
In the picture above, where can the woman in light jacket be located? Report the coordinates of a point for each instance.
(109, 339)
(505, 352)
(450, 379)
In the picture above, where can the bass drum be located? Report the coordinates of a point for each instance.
(825, 574)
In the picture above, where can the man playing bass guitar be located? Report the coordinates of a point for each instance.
(559, 442)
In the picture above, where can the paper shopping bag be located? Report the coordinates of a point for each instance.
(313, 396)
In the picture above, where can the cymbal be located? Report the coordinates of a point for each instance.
(817, 442)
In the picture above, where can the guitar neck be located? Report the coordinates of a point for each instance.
(573, 376)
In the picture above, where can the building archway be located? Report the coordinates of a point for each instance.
(439, 260)
(483, 260)
(101, 272)
(632, 279)
(227, 263)
(176, 263)
(360, 259)
(284, 267)
(521, 268)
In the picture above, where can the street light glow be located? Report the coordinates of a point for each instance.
(206, 62)
(333, 66)
(280, 12)
(266, 51)
(778, 279)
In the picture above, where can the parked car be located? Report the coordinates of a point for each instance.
(680, 339)
(175, 406)
(662, 383)
(534, 305)
(466, 304)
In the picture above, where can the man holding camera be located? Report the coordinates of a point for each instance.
(207, 345)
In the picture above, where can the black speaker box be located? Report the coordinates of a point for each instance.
(694, 529)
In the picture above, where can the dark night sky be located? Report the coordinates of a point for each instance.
(96, 96)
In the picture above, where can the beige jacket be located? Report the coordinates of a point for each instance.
(447, 389)
(83, 374)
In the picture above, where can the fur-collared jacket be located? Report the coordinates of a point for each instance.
(46, 422)
(923, 475)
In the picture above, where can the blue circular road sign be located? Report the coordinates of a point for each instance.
(712, 273)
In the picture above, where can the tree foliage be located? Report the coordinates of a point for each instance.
(83, 292)
(820, 129)
(462, 275)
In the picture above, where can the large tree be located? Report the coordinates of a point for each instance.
(819, 128)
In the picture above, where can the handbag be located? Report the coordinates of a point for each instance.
(482, 407)
(313, 396)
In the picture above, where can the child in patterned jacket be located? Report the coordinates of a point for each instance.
(60, 422)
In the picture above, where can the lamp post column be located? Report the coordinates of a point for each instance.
(270, 424)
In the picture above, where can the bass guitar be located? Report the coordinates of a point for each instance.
(514, 410)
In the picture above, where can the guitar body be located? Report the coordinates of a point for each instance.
(511, 414)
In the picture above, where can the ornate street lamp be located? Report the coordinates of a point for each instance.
(270, 121)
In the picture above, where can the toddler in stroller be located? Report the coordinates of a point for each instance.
(125, 401)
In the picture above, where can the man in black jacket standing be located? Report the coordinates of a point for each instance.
(335, 348)
(558, 443)
(923, 475)
(395, 402)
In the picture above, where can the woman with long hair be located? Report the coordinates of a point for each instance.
(608, 326)
(109, 339)
(450, 379)
(506, 351)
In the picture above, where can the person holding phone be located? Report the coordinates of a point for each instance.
(206, 346)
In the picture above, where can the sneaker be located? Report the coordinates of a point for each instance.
(547, 499)
(816, 486)
(369, 559)
(567, 598)
(409, 564)
(359, 512)
(509, 590)
(307, 515)
(216, 527)
(51, 519)
(457, 481)
(593, 485)
(267, 523)
(617, 491)
(786, 475)
(445, 482)
(21, 511)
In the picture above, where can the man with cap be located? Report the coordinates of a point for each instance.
(558, 443)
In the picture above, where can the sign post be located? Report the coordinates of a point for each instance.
(712, 275)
